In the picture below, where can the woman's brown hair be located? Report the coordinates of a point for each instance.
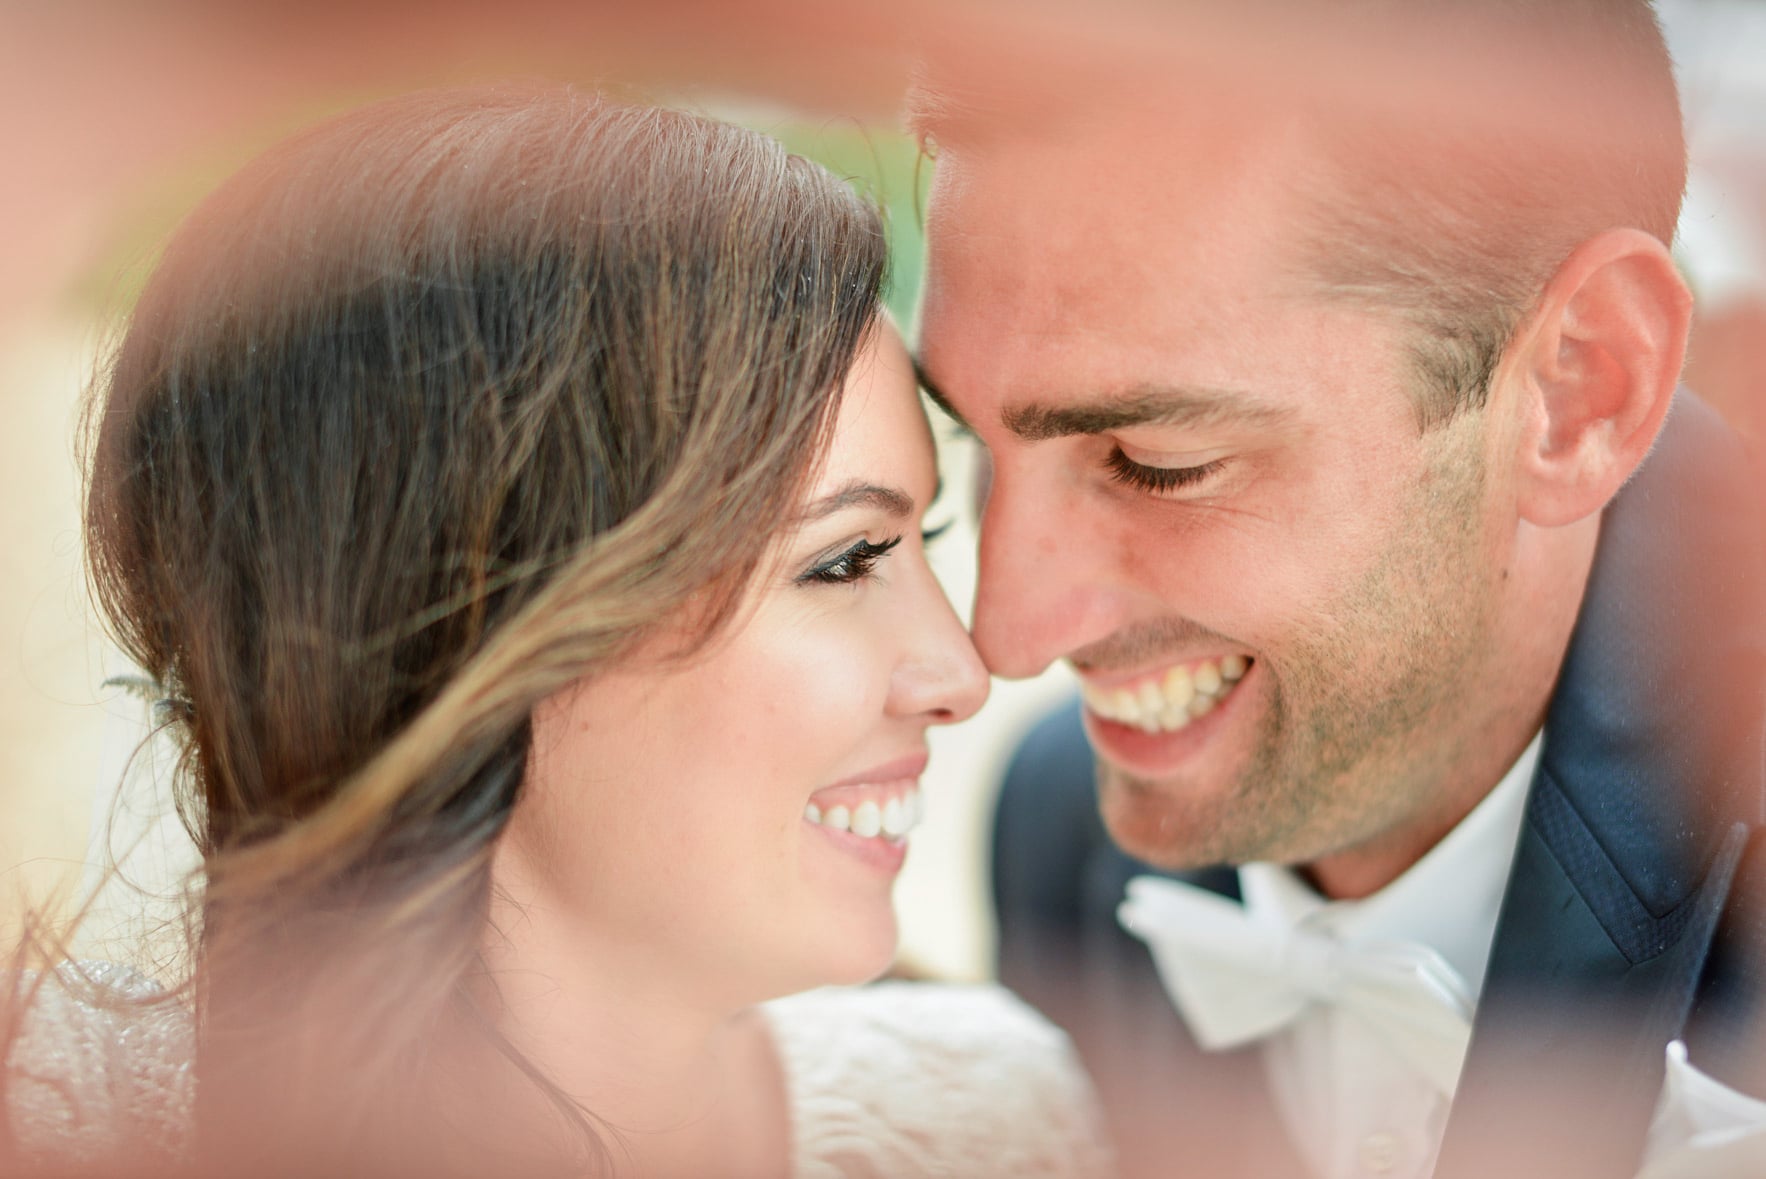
(428, 413)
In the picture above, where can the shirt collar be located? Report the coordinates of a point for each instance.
(1448, 900)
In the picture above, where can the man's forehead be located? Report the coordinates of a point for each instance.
(1166, 128)
(1478, 67)
(1111, 200)
(1064, 256)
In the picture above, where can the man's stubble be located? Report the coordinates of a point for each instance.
(1366, 696)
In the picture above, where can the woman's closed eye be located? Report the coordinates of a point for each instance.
(1159, 480)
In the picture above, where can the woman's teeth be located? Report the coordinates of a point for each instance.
(891, 819)
(1169, 703)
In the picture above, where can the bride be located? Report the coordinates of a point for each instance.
(518, 497)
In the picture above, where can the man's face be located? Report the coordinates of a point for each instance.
(1211, 496)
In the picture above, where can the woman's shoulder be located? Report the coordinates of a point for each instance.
(100, 1064)
(923, 1079)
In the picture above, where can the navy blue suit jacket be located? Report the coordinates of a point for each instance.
(1634, 912)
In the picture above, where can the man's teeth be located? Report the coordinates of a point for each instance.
(894, 818)
(1168, 704)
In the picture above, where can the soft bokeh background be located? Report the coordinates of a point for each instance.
(115, 117)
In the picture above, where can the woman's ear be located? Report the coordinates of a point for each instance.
(1598, 361)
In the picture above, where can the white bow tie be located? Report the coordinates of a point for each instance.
(1236, 979)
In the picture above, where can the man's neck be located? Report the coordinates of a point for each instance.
(1362, 871)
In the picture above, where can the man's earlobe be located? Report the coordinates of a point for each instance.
(1598, 361)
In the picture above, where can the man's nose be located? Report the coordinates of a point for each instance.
(1039, 571)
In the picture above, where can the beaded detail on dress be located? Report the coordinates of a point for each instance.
(909, 1079)
(100, 1068)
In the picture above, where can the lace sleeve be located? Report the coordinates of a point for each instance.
(99, 1069)
(904, 1079)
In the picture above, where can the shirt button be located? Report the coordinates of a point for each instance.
(1379, 1153)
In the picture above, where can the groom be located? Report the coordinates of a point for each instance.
(1327, 375)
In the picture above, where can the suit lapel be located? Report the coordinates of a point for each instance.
(1566, 1058)
(1635, 824)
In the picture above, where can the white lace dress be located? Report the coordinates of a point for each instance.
(886, 1081)
(85, 1081)
(903, 1079)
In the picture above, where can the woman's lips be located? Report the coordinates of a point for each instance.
(908, 765)
(879, 852)
(868, 815)
(882, 809)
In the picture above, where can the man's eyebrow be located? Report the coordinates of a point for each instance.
(938, 397)
(1145, 406)
(859, 494)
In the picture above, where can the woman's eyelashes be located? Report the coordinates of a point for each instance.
(1158, 480)
(860, 560)
(852, 564)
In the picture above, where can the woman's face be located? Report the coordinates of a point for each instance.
(686, 820)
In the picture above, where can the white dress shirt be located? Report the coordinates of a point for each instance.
(1703, 1129)
(1356, 1109)
(1353, 1107)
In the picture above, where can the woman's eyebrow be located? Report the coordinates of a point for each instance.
(859, 494)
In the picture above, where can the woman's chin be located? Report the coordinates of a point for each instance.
(855, 950)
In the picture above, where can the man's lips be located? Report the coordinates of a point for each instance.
(1153, 733)
(1169, 699)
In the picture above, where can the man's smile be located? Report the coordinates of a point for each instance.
(1168, 699)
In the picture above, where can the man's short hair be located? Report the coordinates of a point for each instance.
(1459, 227)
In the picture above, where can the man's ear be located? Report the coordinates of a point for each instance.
(1598, 361)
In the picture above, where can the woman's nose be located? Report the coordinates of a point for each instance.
(940, 676)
